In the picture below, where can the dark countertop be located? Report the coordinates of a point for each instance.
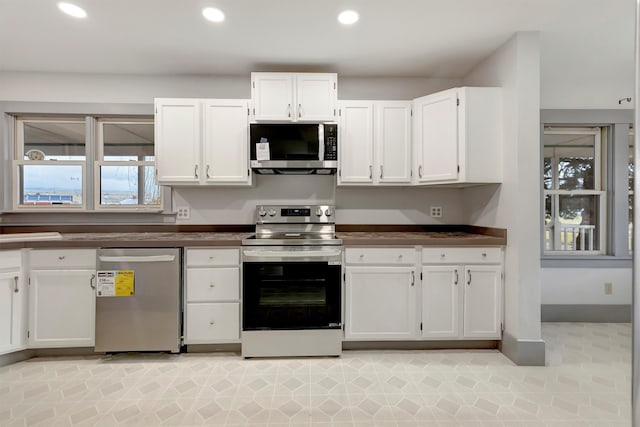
(187, 239)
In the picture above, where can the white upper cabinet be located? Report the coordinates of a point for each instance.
(375, 143)
(226, 141)
(294, 96)
(458, 137)
(355, 143)
(177, 141)
(202, 141)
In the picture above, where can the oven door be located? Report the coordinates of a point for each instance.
(284, 293)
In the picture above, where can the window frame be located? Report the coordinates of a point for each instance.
(18, 162)
(599, 190)
(99, 162)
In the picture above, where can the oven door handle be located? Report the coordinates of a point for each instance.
(292, 254)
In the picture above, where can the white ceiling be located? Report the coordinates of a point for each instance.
(399, 38)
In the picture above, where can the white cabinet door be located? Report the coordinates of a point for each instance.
(356, 143)
(13, 326)
(393, 142)
(177, 141)
(436, 137)
(482, 301)
(441, 301)
(316, 97)
(226, 142)
(380, 303)
(272, 96)
(62, 308)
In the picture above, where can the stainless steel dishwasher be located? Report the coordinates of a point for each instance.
(146, 315)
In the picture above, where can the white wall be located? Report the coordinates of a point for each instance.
(585, 285)
(516, 204)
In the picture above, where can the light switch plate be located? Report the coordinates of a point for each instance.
(436, 211)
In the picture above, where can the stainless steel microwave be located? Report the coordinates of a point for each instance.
(294, 148)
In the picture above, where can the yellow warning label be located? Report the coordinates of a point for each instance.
(124, 283)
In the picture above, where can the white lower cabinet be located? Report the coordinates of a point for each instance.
(380, 294)
(461, 300)
(62, 298)
(13, 302)
(212, 296)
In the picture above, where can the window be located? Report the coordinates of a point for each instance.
(59, 158)
(50, 163)
(574, 196)
(125, 170)
(630, 171)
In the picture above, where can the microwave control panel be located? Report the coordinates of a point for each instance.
(331, 142)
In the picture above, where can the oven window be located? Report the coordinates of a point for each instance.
(291, 295)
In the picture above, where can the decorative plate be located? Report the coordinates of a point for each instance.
(35, 155)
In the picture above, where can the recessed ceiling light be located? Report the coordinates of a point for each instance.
(213, 14)
(72, 10)
(348, 17)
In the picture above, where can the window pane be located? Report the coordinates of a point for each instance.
(51, 184)
(548, 223)
(575, 154)
(57, 140)
(548, 173)
(578, 223)
(128, 141)
(128, 185)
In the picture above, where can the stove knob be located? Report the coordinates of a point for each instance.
(272, 212)
(319, 212)
(328, 212)
(262, 212)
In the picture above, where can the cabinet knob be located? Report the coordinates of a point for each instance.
(212, 285)
(400, 256)
(361, 256)
(212, 323)
(441, 255)
(61, 257)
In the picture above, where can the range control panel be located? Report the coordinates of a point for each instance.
(295, 214)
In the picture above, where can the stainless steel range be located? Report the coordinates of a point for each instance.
(291, 285)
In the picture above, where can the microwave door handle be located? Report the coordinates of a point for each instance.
(321, 142)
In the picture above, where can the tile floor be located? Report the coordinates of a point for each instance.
(586, 383)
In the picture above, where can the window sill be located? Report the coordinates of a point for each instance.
(586, 261)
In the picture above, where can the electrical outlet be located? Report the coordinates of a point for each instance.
(436, 211)
(608, 288)
(184, 212)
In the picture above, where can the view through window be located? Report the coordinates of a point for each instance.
(574, 195)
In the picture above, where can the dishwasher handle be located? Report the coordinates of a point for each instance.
(133, 258)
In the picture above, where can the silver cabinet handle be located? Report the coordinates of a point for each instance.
(208, 176)
(469, 277)
(195, 171)
(93, 277)
(420, 171)
(288, 110)
(380, 171)
(15, 284)
(413, 278)
(456, 280)
(299, 110)
(370, 172)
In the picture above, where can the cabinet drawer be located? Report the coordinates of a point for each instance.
(461, 255)
(380, 256)
(212, 322)
(213, 284)
(79, 258)
(208, 257)
(10, 259)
